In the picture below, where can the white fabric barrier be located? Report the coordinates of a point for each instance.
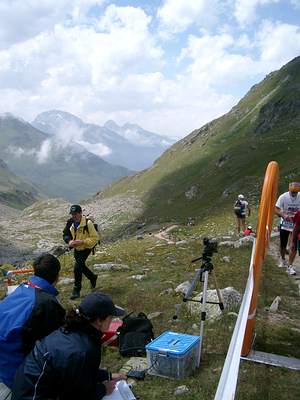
(228, 381)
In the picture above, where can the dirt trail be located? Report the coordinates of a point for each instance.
(163, 234)
(274, 252)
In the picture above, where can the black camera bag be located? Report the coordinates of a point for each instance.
(134, 334)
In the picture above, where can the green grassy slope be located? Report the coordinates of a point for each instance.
(227, 156)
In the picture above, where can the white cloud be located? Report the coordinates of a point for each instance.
(295, 4)
(278, 44)
(245, 10)
(178, 15)
(214, 64)
(22, 20)
(115, 68)
(44, 152)
(98, 149)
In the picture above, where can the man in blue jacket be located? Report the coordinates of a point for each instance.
(28, 314)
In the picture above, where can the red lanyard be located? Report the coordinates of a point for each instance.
(33, 285)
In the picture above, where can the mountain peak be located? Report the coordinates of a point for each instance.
(112, 125)
(53, 120)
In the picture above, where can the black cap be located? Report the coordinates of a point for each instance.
(75, 208)
(99, 305)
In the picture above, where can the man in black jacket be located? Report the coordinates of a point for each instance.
(28, 314)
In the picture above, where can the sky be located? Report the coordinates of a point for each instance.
(170, 66)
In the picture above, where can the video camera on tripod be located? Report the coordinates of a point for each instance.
(210, 247)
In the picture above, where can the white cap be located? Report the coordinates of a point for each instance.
(249, 227)
(241, 196)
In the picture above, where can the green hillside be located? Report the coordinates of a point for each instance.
(226, 156)
(14, 192)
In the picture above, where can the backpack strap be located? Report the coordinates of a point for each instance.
(86, 228)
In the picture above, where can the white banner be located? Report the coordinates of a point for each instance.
(228, 381)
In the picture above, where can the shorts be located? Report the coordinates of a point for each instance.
(240, 216)
(284, 237)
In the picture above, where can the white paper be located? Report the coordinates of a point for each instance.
(122, 392)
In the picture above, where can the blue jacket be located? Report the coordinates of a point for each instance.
(65, 366)
(28, 314)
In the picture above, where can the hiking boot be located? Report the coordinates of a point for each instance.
(93, 281)
(75, 294)
(290, 270)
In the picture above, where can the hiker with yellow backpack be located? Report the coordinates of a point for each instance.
(81, 235)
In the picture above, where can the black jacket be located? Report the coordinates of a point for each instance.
(64, 366)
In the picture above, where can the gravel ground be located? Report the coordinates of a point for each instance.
(39, 227)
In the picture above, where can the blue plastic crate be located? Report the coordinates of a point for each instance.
(173, 355)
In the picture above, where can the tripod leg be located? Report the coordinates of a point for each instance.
(220, 297)
(203, 314)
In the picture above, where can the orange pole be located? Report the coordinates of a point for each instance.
(264, 229)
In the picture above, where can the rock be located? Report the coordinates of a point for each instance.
(231, 298)
(221, 161)
(155, 314)
(244, 241)
(225, 259)
(183, 287)
(65, 281)
(150, 254)
(227, 243)
(138, 277)
(181, 242)
(46, 246)
(275, 304)
(111, 267)
(59, 250)
(192, 192)
(181, 390)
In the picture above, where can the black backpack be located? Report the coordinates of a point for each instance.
(134, 334)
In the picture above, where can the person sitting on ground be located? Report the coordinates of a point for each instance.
(28, 314)
(241, 208)
(248, 231)
(65, 364)
(286, 207)
(81, 235)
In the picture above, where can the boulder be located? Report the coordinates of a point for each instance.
(231, 298)
(183, 287)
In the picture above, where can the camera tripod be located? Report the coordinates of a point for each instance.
(202, 276)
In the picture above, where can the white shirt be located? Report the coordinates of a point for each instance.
(289, 205)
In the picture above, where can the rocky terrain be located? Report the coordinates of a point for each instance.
(39, 227)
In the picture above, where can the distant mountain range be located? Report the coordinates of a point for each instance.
(64, 157)
(129, 145)
(58, 169)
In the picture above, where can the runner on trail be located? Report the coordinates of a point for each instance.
(241, 208)
(286, 207)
